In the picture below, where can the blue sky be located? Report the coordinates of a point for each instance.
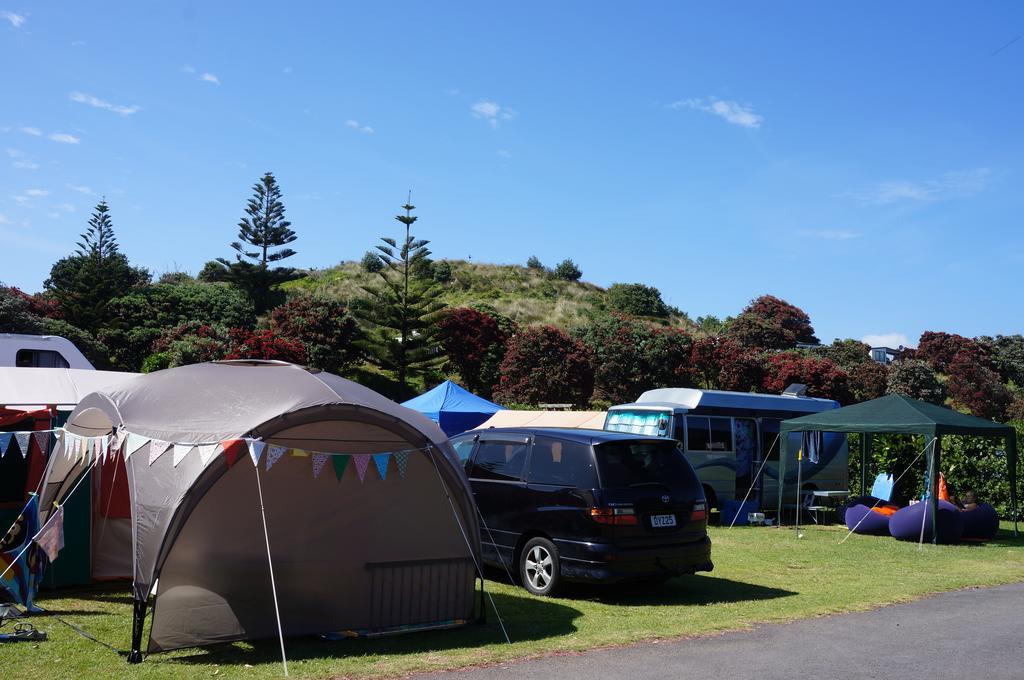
(862, 161)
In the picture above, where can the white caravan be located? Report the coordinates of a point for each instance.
(40, 351)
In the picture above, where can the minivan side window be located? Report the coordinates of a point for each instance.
(561, 463)
(502, 461)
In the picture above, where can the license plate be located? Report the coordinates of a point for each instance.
(663, 521)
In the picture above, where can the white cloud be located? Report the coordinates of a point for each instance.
(82, 190)
(492, 112)
(4, 219)
(53, 215)
(98, 103)
(36, 193)
(67, 207)
(355, 125)
(504, 153)
(26, 165)
(206, 77)
(894, 340)
(64, 138)
(14, 153)
(831, 234)
(287, 70)
(950, 185)
(731, 111)
(34, 131)
(77, 43)
(16, 19)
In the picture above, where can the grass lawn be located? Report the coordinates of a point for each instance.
(761, 574)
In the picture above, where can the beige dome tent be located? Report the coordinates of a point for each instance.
(346, 538)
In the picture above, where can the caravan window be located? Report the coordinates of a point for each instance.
(705, 433)
(40, 358)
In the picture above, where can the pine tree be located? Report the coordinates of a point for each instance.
(85, 283)
(401, 313)
(98, 241)
(263, 229)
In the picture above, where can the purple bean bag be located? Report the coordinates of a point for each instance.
(861, 519)
(980, 523)
(906, 523)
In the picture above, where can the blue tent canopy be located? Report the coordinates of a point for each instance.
(452, 407)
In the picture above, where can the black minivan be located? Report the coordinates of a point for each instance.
(585, 505)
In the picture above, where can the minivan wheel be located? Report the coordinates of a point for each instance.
(539, 567)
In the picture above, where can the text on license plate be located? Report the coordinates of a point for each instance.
(663, 521)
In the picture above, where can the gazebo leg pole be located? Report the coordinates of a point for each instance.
(138, 623)
(864, 463)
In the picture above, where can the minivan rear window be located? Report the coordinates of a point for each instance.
(561, 463)
(625, 464)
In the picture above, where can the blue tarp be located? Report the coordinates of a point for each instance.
(452, 407)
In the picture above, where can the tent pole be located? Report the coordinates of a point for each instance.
(864, 446)
(1011, 459)
(783, 442)
(138, 623)
(933, 488)
(270, 564)
(799, 469)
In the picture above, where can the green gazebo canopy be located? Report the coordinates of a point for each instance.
(897, 414)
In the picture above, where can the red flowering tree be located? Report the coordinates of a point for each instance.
(631, 356)
(822, 377)
(324, 327)
(721, 363)
(474, 342)
(977, 388)
(769, 322)
(939, 349)
(544, 365)
(265, 344)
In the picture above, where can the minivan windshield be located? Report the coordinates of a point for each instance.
(643, 463)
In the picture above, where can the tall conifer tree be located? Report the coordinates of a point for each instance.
(262, 234)
(401, 313)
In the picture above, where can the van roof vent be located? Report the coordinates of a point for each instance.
(795, 390)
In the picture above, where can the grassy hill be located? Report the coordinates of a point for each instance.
(526, 295)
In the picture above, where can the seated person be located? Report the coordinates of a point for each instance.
(971, 501)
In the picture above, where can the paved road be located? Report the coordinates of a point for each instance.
(962, 635)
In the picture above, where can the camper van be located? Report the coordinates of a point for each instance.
(40, 351)
(728, 435)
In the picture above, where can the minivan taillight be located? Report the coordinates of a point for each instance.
(614, 516)
(699, 513)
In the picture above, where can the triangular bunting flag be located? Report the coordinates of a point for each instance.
(23, 441)
(43, 442)
(233, 450)
(256, 450)
(381, 461)
(51, 537)
(180, 451)
(72, 446)
(207, 452)
(362, 460)
(156, 449)
(135, 442)
(274, 454)
(340, 462)
(87, 449)
(401, 461)
(300, 453)
(116, 441)
(319, 461)
(103, 447)
(5, 441)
